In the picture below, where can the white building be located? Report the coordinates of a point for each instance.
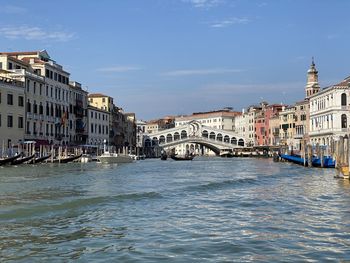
(221, 119)
(329, 113)
(98, 123)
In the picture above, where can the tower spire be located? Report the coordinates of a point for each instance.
(312, 85)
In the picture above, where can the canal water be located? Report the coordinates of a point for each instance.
(205, 210)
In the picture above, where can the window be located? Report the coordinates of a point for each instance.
(343, 121)
(29, 106)
(35, 108)
(343, 99)
(34, 87)
(20, 101)
(10, 65)
(40, 89)
(9, 121)
(9, 99)
(20, 122)
(47, 73)
(103, 99)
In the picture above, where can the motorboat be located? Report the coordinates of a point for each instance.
(109, 157)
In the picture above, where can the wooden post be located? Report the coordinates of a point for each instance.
(305, 151)
(52, 153)
(309, 156)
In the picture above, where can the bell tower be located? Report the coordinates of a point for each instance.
(312, 86)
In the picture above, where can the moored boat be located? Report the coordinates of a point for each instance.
(328, 161)
(7, 160)
(39, 159)
(18, 161)
(67, 159)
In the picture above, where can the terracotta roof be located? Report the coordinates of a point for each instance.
(211, 115)
(36, 60)
(20, 53)
(19, 60)
(96, 95)
(345, 83)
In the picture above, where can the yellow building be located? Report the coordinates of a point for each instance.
(101, 101)
(12, 110)
(287, 126)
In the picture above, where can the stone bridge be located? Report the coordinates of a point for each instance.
(194, 132)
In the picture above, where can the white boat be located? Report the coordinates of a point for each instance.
(108, 157)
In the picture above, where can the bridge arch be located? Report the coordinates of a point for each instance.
(212, 135)
(161, 139)
(205, 134)
(176, 136)
(234, 140)
(219, 137)
(155, 141)
(227, 139)
(169, 137)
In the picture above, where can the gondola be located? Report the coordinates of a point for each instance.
(39, 159)
(67, 159)
(182, 158)
(22, 160)
(9, 159)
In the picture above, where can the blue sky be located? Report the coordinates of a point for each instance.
(169, 57)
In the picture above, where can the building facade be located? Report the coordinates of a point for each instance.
(98, 126)
(12, 111)
(329, 113)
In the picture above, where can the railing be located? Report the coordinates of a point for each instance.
(200, 139)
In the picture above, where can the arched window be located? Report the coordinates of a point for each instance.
(343, 99)
(169, 138)
(227, 139)
(343, 121)
(147, 143)
(212, 136)
(234, 140)
(205, 134)
(155, 141)
(219, 137)
(161, 139)
(183, 134)
(176, 136)
(240, 142)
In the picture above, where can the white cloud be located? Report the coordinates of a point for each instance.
(203, 3)
(118, 69)
(190, 72)
(34, 33)
(11, 9)
(229, 22)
